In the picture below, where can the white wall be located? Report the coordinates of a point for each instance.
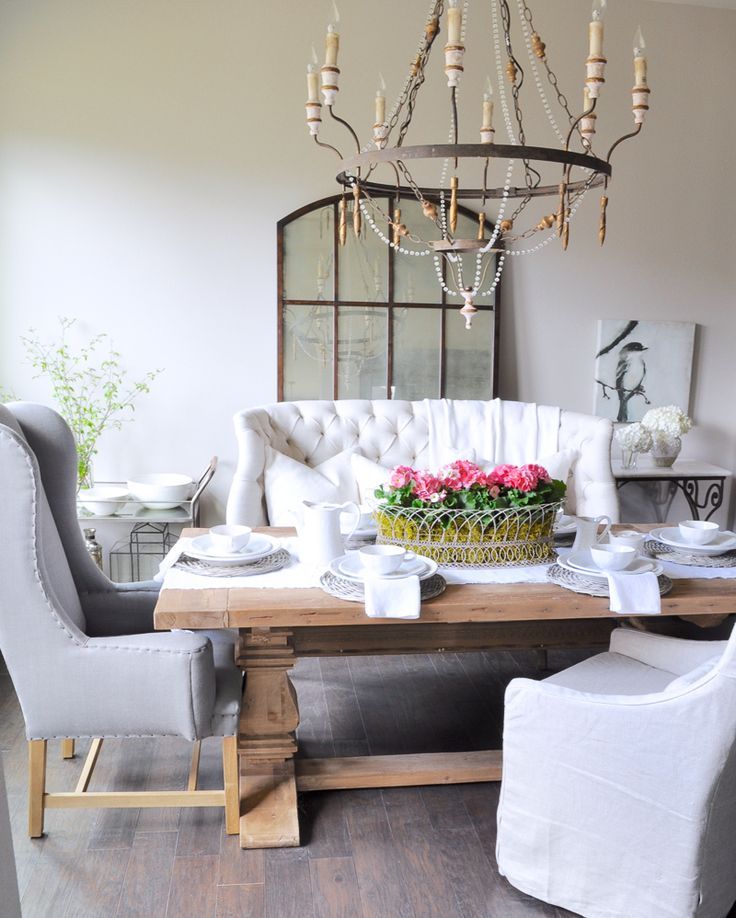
(148, 147)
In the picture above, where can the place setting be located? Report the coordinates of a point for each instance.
(612, 565)
(693, 543)
(231, 551)
(390, 580)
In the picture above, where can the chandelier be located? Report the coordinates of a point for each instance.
(515, 174)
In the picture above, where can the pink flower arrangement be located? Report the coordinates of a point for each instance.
(465, 485)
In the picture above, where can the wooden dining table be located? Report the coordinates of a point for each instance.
(278, 626)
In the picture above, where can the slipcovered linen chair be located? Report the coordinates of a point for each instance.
(390, 432)
(618, 796)
(78, 647)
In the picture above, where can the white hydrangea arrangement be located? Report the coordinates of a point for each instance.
(635, 438)
(666, 424)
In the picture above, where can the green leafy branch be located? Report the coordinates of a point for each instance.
(89, 388)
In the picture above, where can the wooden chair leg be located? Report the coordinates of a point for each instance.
(232, 791)
(67, 749)
(36, 786)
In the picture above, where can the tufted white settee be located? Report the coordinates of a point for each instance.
(392, 432)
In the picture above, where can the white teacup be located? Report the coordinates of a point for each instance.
(382, 559)
(612, 557)
(698, 532)
(230, 539)
(627, 537)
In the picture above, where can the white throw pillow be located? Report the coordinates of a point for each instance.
(368, 475)
(287, 482)
(557, 464)
(682, 682)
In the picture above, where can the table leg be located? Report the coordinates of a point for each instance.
(267, 742)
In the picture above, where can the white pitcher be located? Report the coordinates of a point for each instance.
(587, 531)
(318, 525)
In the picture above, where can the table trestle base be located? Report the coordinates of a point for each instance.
(412, 770)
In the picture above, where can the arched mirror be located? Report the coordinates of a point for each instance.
(365, 321)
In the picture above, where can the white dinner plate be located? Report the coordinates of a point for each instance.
(670, 535)
(639, 566)
(258, 547)
(351, 567)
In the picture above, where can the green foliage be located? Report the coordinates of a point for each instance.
(88, 386)
(477, 497)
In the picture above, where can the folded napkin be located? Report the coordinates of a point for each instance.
(396, 597)
(634, 593)
(173, 555)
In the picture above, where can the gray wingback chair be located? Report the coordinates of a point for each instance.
(79, 648)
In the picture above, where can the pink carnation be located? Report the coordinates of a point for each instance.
(401, 476)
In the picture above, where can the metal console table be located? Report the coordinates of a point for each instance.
(149, 536)
(701, 484)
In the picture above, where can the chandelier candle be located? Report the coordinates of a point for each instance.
(313, 106)
(640, 92)
(596, 63)
(501, 181)
(486, 129)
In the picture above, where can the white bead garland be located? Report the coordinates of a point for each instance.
(535, 71)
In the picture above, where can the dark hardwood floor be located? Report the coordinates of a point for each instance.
(399, 853)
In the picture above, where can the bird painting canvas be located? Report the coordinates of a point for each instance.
(639, 364)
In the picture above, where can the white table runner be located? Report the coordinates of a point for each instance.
(301, 576)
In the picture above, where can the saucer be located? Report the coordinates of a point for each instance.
(638, 566)
(258, 547)
(351, 567)
(670, 535)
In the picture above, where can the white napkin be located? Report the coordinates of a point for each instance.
(173, 555)
(634, 593)
(396, 597)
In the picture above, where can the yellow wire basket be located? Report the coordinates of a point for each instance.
(472, 538)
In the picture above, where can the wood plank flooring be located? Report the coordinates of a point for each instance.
(399, 853)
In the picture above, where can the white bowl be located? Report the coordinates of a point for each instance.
(627, 537)
(103, 500)
(612, 557)
(698, 532)
(161, 491)
(382, 559)
(230, 539)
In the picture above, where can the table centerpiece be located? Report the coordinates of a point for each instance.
(463, 516)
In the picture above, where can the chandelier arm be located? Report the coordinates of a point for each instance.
(345, 124)
(576, 122)
(621, 140)
(327, 146)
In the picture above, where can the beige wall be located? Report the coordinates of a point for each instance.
(147, 148)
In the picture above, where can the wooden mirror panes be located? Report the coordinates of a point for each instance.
(365, 321)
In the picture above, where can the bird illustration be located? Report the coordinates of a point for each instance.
(630, 372)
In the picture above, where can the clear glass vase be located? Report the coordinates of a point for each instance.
(628, 458)
(665, 451)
